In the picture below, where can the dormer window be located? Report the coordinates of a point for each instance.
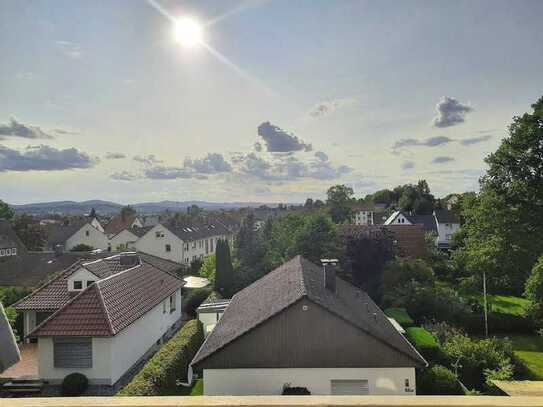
(78, 285)
(90, 282)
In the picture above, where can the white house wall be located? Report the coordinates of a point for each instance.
(133, 342)
(446, 230)
(126, 239)
(113, 356)
(151, 244)
(99, 373)
(241, 382)
(83, 275)
(95, 239)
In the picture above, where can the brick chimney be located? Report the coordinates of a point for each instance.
(329, 270)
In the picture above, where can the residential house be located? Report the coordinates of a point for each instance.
(10, 244)
(300, 326)
(126, 239)
(209, 313)
(374, 214)
(100, 318)
(120, 223)
(442, 223)
(184, 243)
(77, 232)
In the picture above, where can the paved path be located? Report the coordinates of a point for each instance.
(27, 367)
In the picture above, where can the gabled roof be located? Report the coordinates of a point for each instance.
(111, 304)
(446, 216)
(197, 230)
(9, 239)
(58, 234)
(119, 223)
(427, 221)
(54, 294)
(289, 283)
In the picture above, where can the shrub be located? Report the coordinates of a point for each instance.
(74, 385)
(438, 380)
(296, 391)
(425, 343)
(169, 364)
(533, 290)
(193, 298)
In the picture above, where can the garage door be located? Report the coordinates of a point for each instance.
(350, 387)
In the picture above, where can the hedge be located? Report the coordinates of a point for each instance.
(169, 364)
(400, 315)
(425, 343)
(438, 380)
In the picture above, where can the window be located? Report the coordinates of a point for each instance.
(2, 252)
(172, 302)
(186, 246)
(164, 306)
(349, 387)
(194, 244)
(87, 233)
(72, 352)
(14, 251)
(78, 285)
(8, 252)
(90, 282)
(168, 248)
(211, 244)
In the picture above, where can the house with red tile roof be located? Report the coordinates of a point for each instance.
(100, 318)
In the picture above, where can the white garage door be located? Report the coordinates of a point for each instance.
(350, 387)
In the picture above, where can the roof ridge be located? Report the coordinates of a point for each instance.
(299, 257)
(104, 308)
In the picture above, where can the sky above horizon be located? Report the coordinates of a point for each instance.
(284, 99)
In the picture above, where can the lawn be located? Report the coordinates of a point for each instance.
(400, 315)
(196, 390)
(529, 348)
(507, 304)
(421, 338)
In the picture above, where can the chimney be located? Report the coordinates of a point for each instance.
(129, 259)
(329, 270)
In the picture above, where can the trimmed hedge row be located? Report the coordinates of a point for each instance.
(169, 364)
(425, 343)
(401, 316)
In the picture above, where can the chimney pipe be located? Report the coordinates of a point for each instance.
(329, 271)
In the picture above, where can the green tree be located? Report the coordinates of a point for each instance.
(127, 212)
(5, 211)
(504, 224)
(308, 203)
(339, 198)
(224, 274)
(209, 267)
(533, 291)
(92, 213)
(316, 238)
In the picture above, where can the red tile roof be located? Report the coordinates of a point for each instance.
(118, 224)
(112, 304)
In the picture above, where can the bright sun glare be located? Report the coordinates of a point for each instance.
(188, 32)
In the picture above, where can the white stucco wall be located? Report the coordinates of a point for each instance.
(133, 342)
(446, 230)
(241, 382)
(113, 356)
(98, 374)
(151, 244)
(209, 320)
(124, 237)
(83, 275)
(96, 223)
(96, 239)
(29, 321)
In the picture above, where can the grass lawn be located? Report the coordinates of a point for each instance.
(421, 338)
(529, 348)
(507, 304)
(400, 315)
(196, 390)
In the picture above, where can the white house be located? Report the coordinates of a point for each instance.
(442, 223)
(84, 231)
(183, 243)
(300, 326)
(86, 320)
(209, 313)
(122, 222)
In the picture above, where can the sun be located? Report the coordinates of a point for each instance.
(188, 32)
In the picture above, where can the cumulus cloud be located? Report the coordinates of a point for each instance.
(326, 108)
(124, 176)
(17, 129)
(211, 164)
(408, 165)
(442, 160)
(150, 159)
(278, 140)
(450, 112)
(429, 142)
(43, 158)
(475, 140)
(114, 156)
(70, 49)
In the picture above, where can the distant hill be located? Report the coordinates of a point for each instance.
(106, 207)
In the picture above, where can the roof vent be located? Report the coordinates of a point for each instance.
(329, 270)
(375, 316)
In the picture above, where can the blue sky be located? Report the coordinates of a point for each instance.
(97, 100)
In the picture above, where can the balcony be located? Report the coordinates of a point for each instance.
(289, 401)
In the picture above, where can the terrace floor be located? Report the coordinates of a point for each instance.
(27, 367)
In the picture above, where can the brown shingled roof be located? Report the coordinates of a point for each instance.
(111, 304)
